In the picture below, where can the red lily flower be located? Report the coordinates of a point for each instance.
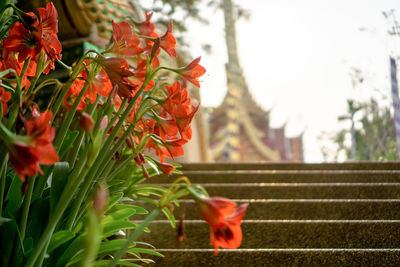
(23, 41)
(49, 25)
(37, 149)
(168, 42)
(48, 19)
(30, 41)
(224, 220)
(192, 71)
(170, 148)
(118, 72)
(125, 42)
(100, 85)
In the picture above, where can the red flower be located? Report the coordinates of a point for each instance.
(170, 148)
(23, 41)
(118, 71)
(224, 220)
(30, 40)
(192, 71)
(168, 42)
(100, 85)
(166, 168)
(178, 105)
(37, 148)
(125, 42)
(49, 19)
(49, 26)
(4, 98)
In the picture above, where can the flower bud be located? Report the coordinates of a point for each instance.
(103, 123)
(166, 168)
(100, 200)
(86, 122)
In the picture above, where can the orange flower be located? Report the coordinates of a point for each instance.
(224, 220)
(168, 42)
(118, 72)
(192, 71)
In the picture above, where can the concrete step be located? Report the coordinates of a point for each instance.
(285, 234)
(271, 176)
(394, 165)
(279, 257)
(304, 190)
(302, 209)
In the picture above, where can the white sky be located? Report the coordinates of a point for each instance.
(297, 55)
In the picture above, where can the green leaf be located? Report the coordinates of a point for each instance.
(68, 142)
(145, 250)
(112, 227)
(14, 197)
(106, 248)
(58, 182)
(120, 214)
(4, 220)
(114, 199)
(73, 249)
(138, 210)
(59, 238)
(170, 216)
(28, 245)
(119, 263)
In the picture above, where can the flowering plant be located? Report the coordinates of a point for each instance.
(72, 164)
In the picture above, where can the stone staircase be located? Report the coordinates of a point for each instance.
(299, 215)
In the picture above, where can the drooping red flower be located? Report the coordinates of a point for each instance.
(170, 148)
(192, 71)
(118, 72)
(168, 42)
(179, 106)
(4, 98)
(125, 41)
(224, 220)
(140, 74)
(166, 168)
(27, 155)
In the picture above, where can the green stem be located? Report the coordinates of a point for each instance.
(114, 119)
(120, 166)
(75, 149)
(62, 204)
(60, 98)
(67, 122)
(133, 236)
(27, 203)
(95, 169)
